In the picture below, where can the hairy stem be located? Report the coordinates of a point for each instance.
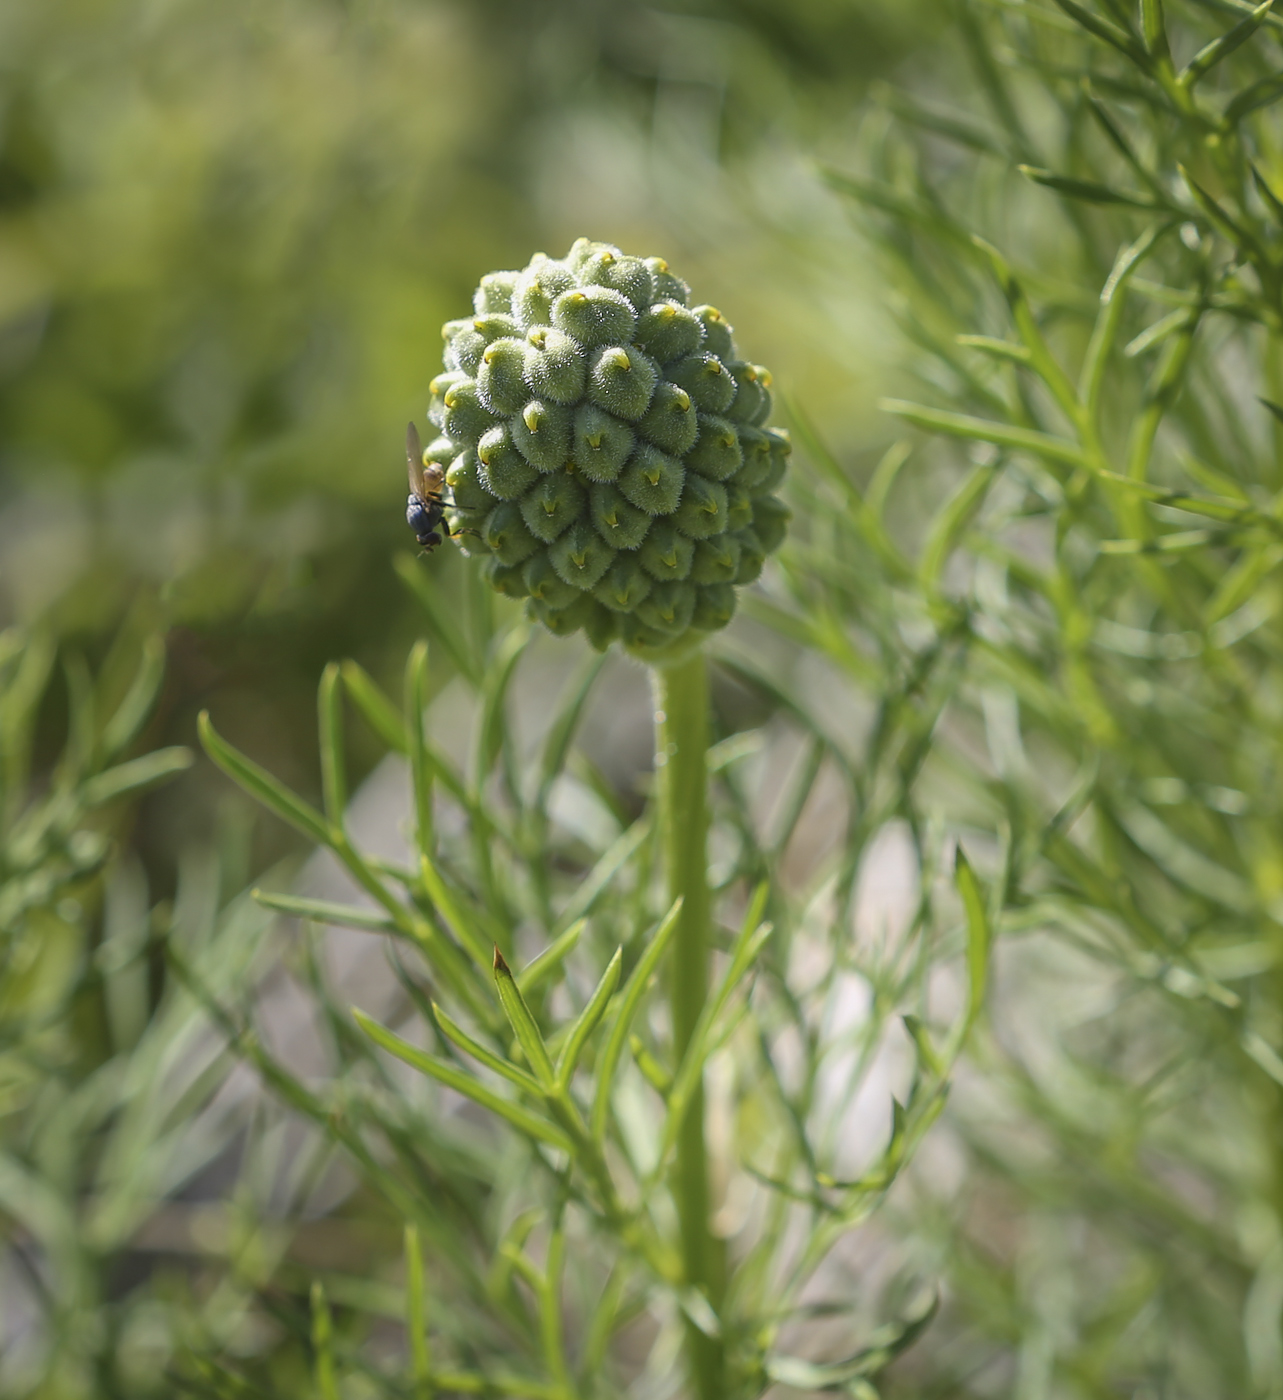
(681, 732)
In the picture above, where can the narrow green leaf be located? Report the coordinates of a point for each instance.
(416, 691)
(329, 717)
(542, 966)
(465, 659)
(464, 927)
(961, 425)
(322, 1346)
(322, 911)
(867, 509)
(952, 126)
(1104, 333)
(928, 1056)
(1121, 144)
(523, 1023)
(526, 1122)
(1087, 190)
(561, 733)
(634, 990)
(998, 349)
(1154, 30)
(913, 212)
(416, 1315)
(1221, 220)
(653, 1072)
(1262, 93)
(949, 523)
(598, 879)
(1041, 359)
(1271, 201)
(690, 1073)
(131, 714)
(260, 784)
(493, 722)
(588, 1020)
(379, 712)
(514, 1074)
(1211, 54)
(1153, 335)
(979, 933)
(134, 776)
(1195, 505)
(1123, 40)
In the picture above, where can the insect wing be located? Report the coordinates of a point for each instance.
(414, 461)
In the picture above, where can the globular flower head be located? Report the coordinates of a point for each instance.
(606, 448)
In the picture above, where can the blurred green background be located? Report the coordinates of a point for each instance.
(230, 232)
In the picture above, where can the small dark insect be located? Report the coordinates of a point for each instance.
(425, 508)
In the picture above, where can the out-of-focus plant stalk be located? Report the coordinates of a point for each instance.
(681, 734)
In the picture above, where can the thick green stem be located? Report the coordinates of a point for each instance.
(681, 731)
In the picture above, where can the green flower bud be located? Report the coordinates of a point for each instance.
(553, 505)
(717, 560)
(465, 417)
(670, 422)
(667, 331)
(702, 510)
(666, 554)
(652, 480)
(494, 294)
(622, 381)
(440, 452)
(467, 489)
(495, 326)
(668, 286)
(504, 472)
(628, 276)
(780, 449)
(506, 535)
(582, 250)
(624, 584)
(464, 345)
(561, 622)
(581, 556)
(739, 507)
(668, 608)
(705, 378)
(752, 556)
(439, 388)
(501, 376)
(505, 579)
(541, 432)
(605, 449)
(594, 316)
(638, 637)
(601, 626)
(556, 366)
(714, 607)
(466, 525)
(717, 453)
(717, 334)
(585, 612)
(543, 581)
(600, 444)
(770, 521)
(752, 402)
(756, 447)
(618, 521)
(536, 288)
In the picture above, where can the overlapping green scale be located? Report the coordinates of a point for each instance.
(606, 448)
